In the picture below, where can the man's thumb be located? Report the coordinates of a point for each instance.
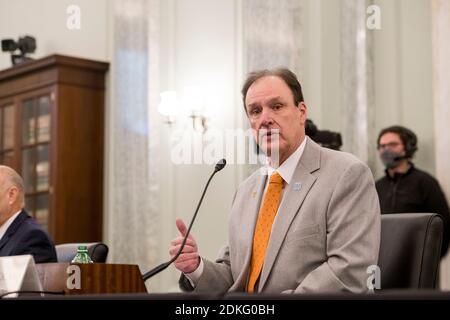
(181, 227)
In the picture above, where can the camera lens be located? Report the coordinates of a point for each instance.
(8, 45)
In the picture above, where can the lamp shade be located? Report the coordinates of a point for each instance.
(168, 105)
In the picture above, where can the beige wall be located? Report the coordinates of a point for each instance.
(46, 21)
(321, 79)
(199, 47)
(403, 73)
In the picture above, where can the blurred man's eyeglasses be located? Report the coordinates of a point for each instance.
(389, 145)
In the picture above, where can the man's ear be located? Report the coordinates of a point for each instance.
(13, 194)
(302, 108)
(302, 105)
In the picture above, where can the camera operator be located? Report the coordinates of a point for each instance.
(404, 188)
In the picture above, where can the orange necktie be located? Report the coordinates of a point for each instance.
(263, 228)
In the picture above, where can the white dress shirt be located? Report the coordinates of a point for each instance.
(286, 171)
(7, 223)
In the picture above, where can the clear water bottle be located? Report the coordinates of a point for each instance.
(82, 256)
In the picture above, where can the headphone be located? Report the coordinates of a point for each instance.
(410, 142)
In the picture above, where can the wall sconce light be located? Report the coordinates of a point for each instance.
(199, 123)
(194, 101)
(192, 104)
(168, 106)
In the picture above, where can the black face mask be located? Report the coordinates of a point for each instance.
(391, 159)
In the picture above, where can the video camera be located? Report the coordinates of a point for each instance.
(25, 45)
(325, 138)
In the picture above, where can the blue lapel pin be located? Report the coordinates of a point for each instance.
(297, 186)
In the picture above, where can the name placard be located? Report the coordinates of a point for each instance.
(18, 273)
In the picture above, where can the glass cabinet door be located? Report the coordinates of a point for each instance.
(35, 135)
(8, 127)
(43, 119)
(28, 122)
(7, 135)
(42, 168)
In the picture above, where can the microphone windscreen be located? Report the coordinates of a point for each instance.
(220, 165)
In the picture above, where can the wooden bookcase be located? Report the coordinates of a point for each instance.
(52, 133)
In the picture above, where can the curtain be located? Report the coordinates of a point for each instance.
(358, 121)
(132, 204)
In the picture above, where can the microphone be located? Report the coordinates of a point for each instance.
(219, 166)
(401, 157)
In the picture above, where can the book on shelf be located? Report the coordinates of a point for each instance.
(43, 127)
(41, 215)
(30, 131)
(42, 175)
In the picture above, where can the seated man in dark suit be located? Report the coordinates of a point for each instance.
(19, 233)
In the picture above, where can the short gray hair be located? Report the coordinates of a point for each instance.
(11, 176)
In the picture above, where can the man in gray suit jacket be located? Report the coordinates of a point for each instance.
(326, 228)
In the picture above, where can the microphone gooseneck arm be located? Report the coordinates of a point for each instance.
(162, 266)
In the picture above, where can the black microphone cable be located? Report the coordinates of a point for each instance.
(3, 295)
(219, 166)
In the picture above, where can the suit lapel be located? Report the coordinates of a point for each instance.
(3, 241)
(293, 199)
(12, 228)
(254, 194)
